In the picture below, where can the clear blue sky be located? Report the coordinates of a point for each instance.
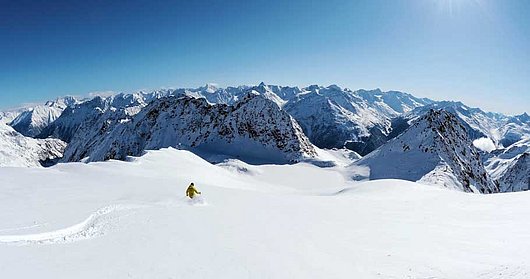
(476, 51)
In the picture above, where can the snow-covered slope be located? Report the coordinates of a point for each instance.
(517, 176)
(8, 115)
(214, 94)
(254, 129)
(360, 120)
(17, 150)
(88, 112)
(332, 117)
(392, 103)
(33, 120)
(502, 129)
(510, 166)
(66, 125)
(435, 149)
(514, 129)
(130, 220)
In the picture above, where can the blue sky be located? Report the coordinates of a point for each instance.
(476, 51)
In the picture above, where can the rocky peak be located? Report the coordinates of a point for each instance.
(435, 149)
(254, 129)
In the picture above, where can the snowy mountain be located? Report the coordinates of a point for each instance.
(359, 120)
(392, 103)
(65, 126)
(362, 120)
(435, 149)
(510, 166)
(333, 117)
(517, 176)
(502, 129)
(254, 129)
(8, 115)
(33, 120)
(330, 117)
(17, 150)
(87, 112)
(214, 94)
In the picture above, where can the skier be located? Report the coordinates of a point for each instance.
(191, 191)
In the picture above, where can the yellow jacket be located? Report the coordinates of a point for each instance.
(191, 191)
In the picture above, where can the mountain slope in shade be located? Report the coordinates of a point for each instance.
(517, 176)
(254, 129)
(8, 115)
(66, 125)
(33, 120)
(88, 112)
(435, 149)
(17, 150)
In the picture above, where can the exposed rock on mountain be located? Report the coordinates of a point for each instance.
(254, 129)
(435, 149)
(232, 122)
(510, 166)
(502, 129)
(17, 150)
(361, 120)
(33, 120)
(517, 175)
(86, 113)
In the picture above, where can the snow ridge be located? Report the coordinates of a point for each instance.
(435, 149)
(254, 128)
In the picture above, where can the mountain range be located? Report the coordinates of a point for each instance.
(399, 135)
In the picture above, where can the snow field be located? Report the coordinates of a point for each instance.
(258, 223)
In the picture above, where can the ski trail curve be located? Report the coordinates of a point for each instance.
(95, 225)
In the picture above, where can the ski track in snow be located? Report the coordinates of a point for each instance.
(97, 224)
